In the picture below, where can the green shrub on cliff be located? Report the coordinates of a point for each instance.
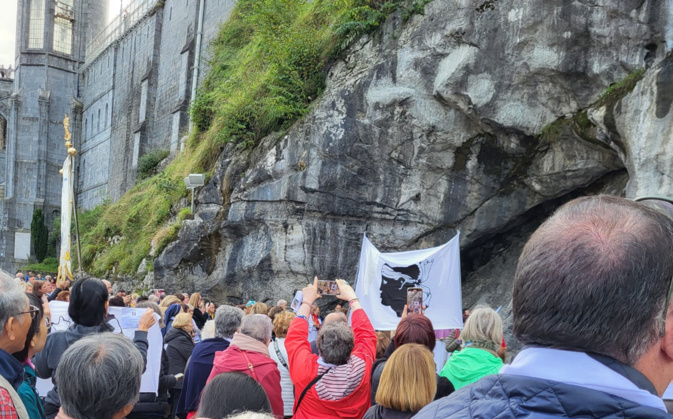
(268, 63)
(147, 164)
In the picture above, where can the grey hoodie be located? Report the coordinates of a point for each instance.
(57, 343)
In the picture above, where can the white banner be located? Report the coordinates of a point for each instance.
(65, 264)
(383, 279)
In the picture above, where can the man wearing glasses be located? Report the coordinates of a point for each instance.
(591, 303)
(15, 316)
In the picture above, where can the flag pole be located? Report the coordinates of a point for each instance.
(74, 210)
(72, 152)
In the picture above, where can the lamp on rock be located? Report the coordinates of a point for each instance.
(193, 181)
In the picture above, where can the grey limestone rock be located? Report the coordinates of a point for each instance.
(469, 117)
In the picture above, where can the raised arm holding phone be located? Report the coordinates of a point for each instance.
(346, 357)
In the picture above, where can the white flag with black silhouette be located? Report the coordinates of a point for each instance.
(383, 279)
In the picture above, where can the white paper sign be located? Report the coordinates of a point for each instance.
(127, 316)
(123, 317)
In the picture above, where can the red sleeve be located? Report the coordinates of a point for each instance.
(7, 410)
(300, 359)
(271, 384)
(364, 336)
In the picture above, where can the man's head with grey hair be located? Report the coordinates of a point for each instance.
(227, 321)
(99, 377)
(257, 326)
(282, 303)
(14, 314)
(594, 278)
(335, 343)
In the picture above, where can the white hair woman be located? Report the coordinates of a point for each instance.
(482, 334)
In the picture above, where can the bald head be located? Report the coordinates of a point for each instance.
(581, 271)
(335, 318)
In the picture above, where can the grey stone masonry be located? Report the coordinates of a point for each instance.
(51, 36)
(128, 97)
(143, 81)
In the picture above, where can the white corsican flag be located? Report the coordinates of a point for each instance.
(383, 279)
(65, 264)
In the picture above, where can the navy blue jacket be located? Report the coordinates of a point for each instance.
(197, 373)
(512, 396)
(11, 369)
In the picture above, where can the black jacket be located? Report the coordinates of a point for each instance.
(200, 318)
(380, 412)
(512, 396)
(179, 346)
(54, 294)
(151, 403)
(57, 342)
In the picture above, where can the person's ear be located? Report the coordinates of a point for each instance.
(10, 328)
(667, 340)
(124, 412)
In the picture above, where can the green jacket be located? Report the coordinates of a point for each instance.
(29, 395)
(470, 365)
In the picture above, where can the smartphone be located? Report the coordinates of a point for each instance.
(296, 303)
(328, 287)
(415, 300)
(179, 376)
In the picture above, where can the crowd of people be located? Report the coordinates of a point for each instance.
(590, 304)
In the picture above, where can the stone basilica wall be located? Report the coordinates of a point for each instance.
(136, 94)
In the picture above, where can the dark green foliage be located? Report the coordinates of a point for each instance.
(47, 267)
(148, 163)
(39, 235)
(360, 20)
(54, 237)
(202, 111)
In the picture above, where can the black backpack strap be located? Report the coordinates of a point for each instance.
(279, 354)
(308, 387)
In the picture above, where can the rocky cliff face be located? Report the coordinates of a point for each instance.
(478, 116)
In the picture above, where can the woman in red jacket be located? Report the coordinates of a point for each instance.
(336, 383)
(248, 353)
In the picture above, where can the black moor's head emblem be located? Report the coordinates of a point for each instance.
(396, 279)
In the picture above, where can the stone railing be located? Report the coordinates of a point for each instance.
(128, 17)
